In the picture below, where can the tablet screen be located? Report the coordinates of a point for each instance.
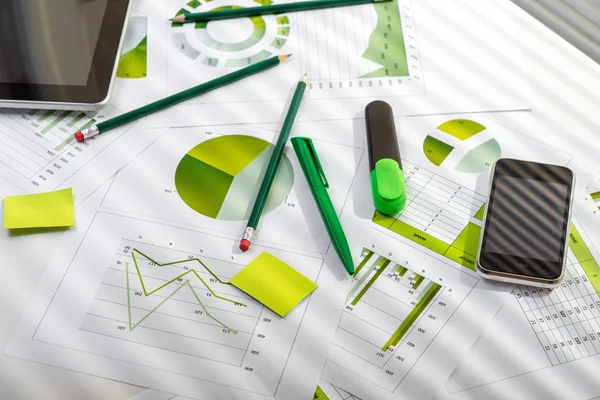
(49, 42)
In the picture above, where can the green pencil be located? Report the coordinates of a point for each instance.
(179, 97)
(272, 9)
(265, 187)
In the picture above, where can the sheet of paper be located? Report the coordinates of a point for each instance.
(416, 300)
(146, 219)
(544, 344)
(42, 210)
(40, 154)
(352, 56)
(150, 394)
(132, 288)
(290, 221)
(327, 391)
(594, 188)
(273, 283)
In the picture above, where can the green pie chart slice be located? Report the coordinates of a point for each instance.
(462, 129)
(133, 64)
(220, 178)
(480, 158)
(435, 150)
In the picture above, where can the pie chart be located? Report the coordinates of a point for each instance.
(220, 178)
(472, 148)
(133, 61)
(231, 43)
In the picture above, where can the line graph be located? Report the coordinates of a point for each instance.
(187, 283)
(179, 278)
(175, 301)
(157, 297)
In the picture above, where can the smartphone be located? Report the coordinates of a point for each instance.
(526, 223)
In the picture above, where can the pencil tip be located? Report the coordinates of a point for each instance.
(304, 79)
(170, 19)
(284, 57)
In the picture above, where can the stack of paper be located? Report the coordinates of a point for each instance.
(150, 288)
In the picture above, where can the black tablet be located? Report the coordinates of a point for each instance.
(59, 53)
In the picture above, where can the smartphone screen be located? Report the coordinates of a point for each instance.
(526, 218)
(526, 224)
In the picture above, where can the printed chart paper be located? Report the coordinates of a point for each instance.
(130, 288)
(352, 55)
(208, 177)
(594, 189)
(161, 242)
(124, 295)
(326, 391)
(416, 300)
(544, 343)
(38, 151)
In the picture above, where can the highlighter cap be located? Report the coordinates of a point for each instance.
(387, 177)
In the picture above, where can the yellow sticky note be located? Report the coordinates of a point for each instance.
(273, 283)
(42, 210)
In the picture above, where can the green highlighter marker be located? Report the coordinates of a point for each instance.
(385, 164)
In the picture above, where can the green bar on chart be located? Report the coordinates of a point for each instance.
(65, 143)
(401, 270)
(418, 280)
(479, 214)
(585, 258)
(90, 123)
(412, 317)
(56, 121)
(364, 277)
(364, 261)
(364, 290)
(44, 116)
(31, 113)
(464, 249)
(75, 120)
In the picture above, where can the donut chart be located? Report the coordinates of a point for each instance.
(241, 48)
(471, 158)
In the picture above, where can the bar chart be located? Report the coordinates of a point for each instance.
(41, 146)
(413, 292)
(393, 311)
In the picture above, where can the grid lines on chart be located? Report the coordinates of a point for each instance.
(440, 215)
(566, 320)
(179, 307)
(45, 139)
(359, 49)
(384, 308)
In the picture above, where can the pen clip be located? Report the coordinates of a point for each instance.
(313, 152)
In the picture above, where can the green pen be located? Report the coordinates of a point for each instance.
(313, 170)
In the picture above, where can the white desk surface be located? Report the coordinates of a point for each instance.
(565, 85)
